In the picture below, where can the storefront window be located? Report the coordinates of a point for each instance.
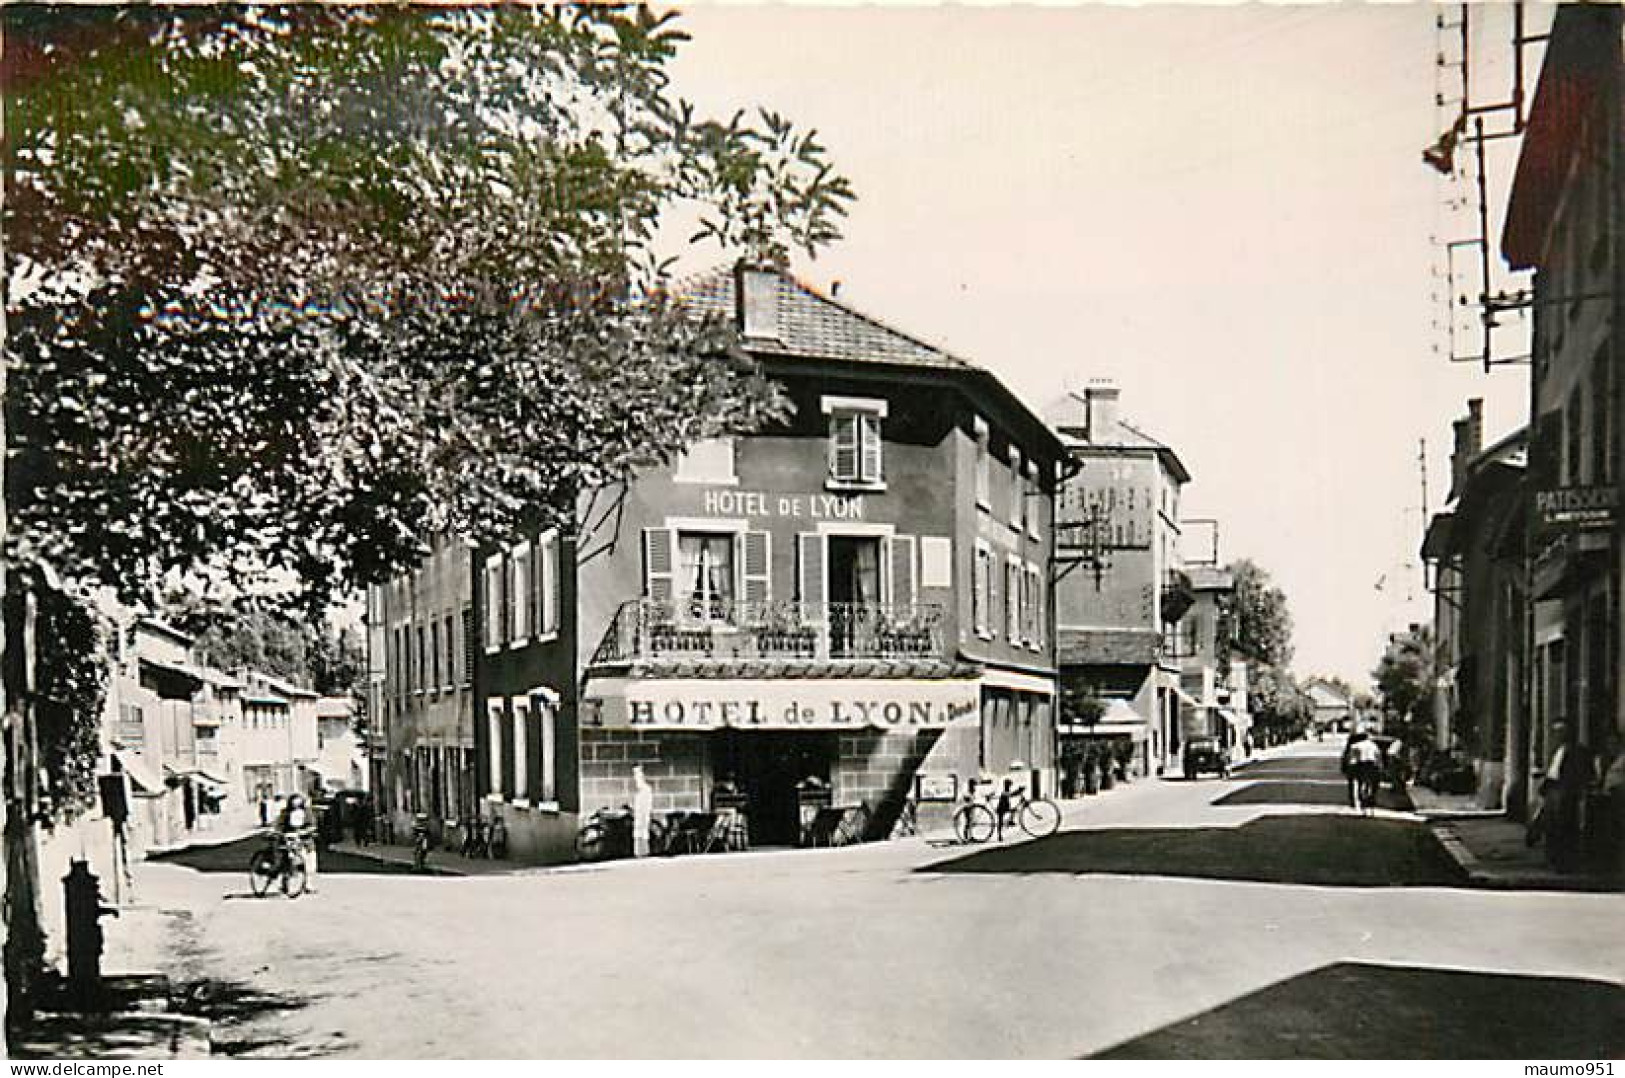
(706, 564)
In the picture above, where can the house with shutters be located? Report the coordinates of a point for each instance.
(850, 608)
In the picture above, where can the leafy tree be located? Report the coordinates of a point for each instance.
(1404, 677)
(302, 287)
(1256, 624)
(291, 290)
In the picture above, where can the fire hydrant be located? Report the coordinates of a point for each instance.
(85, 911)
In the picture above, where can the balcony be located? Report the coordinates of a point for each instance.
(780, 631)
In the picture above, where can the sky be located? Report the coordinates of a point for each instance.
(1223, 209)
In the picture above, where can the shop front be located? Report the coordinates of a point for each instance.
(784, 754)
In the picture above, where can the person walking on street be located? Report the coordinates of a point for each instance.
(1362, 764)
(1569, 773)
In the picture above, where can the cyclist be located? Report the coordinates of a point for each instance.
(297, 827)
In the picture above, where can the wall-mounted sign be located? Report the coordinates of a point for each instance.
(725, 501)
(936, 787)
(1585, 507)
(789, 704)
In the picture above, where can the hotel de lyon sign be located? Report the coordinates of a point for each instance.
(789, 704)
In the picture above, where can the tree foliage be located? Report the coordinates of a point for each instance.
(228, 636)
(295, 289)
(1405, 673)
(1256, 625)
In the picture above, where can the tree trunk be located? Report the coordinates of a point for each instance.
(24, 949)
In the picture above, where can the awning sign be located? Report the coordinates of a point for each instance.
(1586, 507)
(787, 704)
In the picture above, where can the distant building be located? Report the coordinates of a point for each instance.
(278, 746)
(1332, 708)
(421, 642)
(1218, 686)
(1116, 617)
(341, 760)
(1477, 549)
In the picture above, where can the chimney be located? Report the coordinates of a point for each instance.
(1100, 410)
(756, 296)
(1469, 433)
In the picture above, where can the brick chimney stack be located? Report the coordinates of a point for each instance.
(1100, 410)
(756, 296)
(1469, 433)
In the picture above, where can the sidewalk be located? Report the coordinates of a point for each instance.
(441, 862)
(137, 1022)
(1490, 851)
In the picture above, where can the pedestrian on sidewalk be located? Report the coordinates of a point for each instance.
(1569, 772)
(643, 805)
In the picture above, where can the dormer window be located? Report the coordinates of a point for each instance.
(855, 456)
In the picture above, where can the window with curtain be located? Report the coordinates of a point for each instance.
(705, 564)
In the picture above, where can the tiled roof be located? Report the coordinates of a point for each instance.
(814, 326)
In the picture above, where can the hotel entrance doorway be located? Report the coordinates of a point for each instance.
(769, 768)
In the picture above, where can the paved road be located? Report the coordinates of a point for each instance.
(1156, 923)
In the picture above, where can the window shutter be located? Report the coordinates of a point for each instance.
(657, 564)
(869, 426)
(902, 570)
(555, 580)
(523, 591)
(521, 749)
(843, 446)
(468, 645)
(493, 746)
(1009, 607)
(811, 585)
(545, 720)
(979, 594)
(758, 562)
(540, 587)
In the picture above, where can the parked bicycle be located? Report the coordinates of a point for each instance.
(975, 822)
(607, 833)
(281, 859)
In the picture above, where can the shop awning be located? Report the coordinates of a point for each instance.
(142, 778)
(196, 774)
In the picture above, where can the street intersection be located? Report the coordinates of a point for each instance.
(1254, 917)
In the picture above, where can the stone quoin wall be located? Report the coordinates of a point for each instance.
(676, 764)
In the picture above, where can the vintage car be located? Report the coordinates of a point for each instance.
(1205, 754)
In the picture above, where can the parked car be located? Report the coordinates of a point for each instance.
(1205, 754)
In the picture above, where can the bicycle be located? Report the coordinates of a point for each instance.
(282, 858)
(975, 823)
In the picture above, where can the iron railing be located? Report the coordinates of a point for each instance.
(779, 630)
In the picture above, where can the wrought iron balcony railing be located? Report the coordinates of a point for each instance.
(781, 630)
